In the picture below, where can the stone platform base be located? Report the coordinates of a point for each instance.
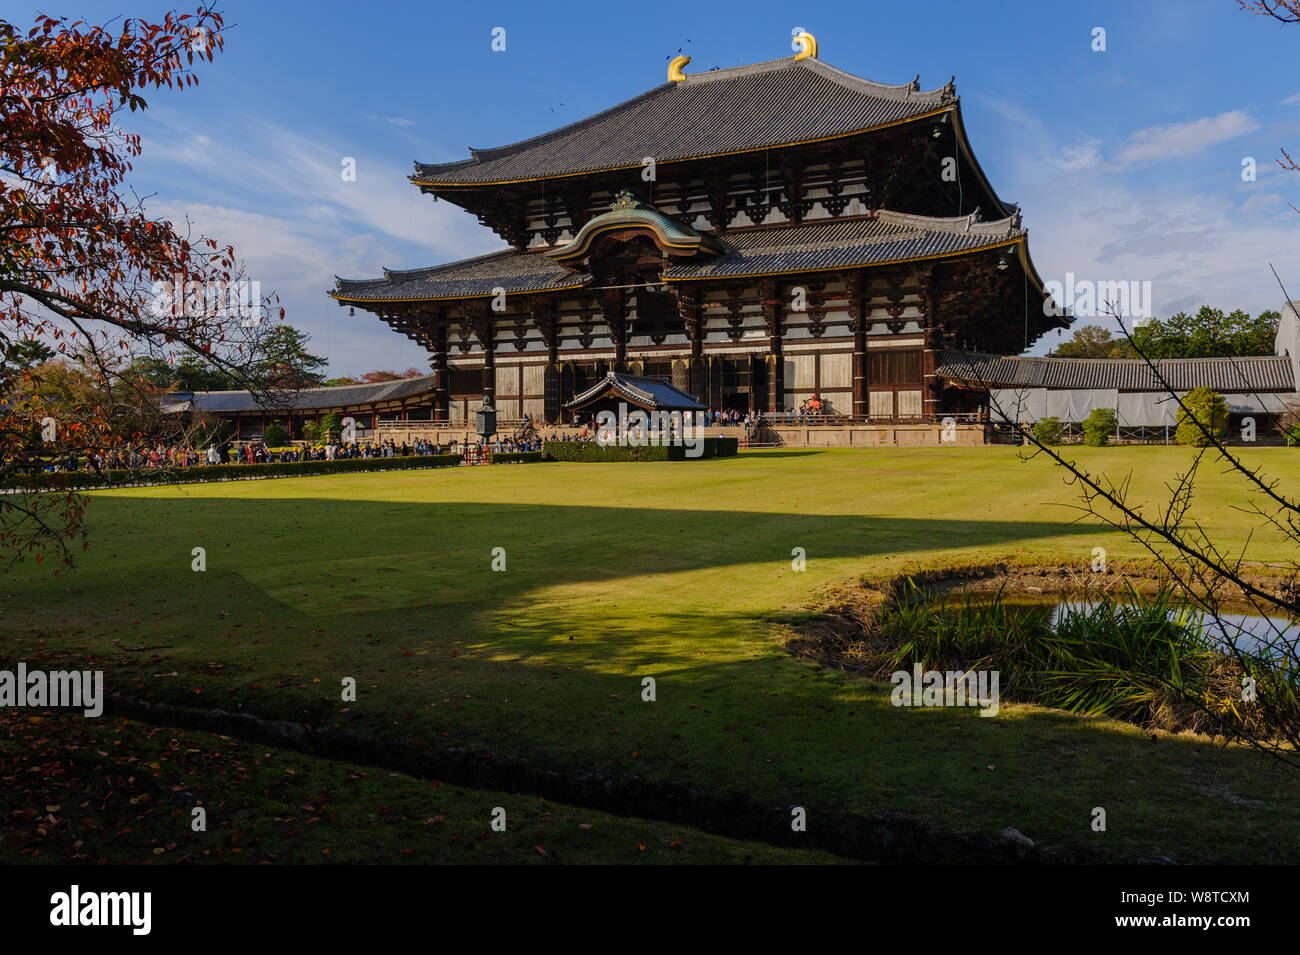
(871, 435)
(782, 435)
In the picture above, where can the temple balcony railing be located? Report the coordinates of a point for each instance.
(797, 418)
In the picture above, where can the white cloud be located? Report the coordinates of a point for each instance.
(263, 167)
(1264, 202)
(1195, 247)
(1199, 236)
(1292, 100)
(1080, 156)
(1013, 112)
(1179, 140)
(401, 122)
(278, 197)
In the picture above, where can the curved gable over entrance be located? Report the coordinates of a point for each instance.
(630, 218)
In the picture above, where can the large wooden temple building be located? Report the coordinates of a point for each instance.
(755, 235)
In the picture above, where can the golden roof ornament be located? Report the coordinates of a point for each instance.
(675, 68)
(808, 42)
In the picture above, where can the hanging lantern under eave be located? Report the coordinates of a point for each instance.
(1003, 264)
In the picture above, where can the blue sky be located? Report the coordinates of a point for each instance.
(1127, 163)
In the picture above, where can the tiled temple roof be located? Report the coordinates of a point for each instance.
(776, 103)
(652, 393)
(468, 278)
(829, 244)
(1225, 375)
(824, 244)
(344, 396)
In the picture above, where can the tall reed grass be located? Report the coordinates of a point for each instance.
(1140, 658)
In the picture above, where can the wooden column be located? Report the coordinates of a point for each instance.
(542, 311)
(479, 316)
(792, 176)
(719, 196)
(931, 386)
(754, 363)
(613, 304)
(688, 303)
(548, 326)
(859, 311)
(767, 294)
(438, 345)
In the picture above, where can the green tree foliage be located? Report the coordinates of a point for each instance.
(21, 355)
(284, 358)
(1093, 341)
(191, 373)
(1048, 430)
(281, 361)
(1100, 426)
(275, 435)
(1210, 333)
(330, 427)
(1209, 408)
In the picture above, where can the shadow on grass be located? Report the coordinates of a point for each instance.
(302, 593)
(545, 544)
(785, 453)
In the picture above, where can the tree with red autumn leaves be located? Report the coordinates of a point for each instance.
(85, 272)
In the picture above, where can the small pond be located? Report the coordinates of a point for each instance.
(1253, 633)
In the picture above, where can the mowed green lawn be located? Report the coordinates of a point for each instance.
(677, 571)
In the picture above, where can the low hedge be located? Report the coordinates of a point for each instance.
(592, 452)
(721, 447)
(515, 457)
(68, 480)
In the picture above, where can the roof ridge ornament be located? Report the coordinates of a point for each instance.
(626, 199)
(675, 68)
(808, 46)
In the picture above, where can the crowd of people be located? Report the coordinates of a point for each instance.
(257, 452)
(346, 451)
(728, 418)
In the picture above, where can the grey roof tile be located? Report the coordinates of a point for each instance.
(512, 271)
(657, 393)
(720, 111)
(345, 396)
(847, 243)
(1225, 375)
(824, 244)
